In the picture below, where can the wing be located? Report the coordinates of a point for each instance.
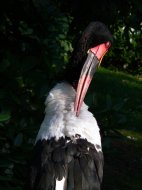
(75, 160)
(85, 171)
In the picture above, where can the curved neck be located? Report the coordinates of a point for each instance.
(76, 62)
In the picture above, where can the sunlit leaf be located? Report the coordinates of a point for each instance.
(4, 116)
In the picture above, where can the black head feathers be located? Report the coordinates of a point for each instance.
(95, 33)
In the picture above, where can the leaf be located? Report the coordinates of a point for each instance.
(5, 116)
(5, 178)
(18, 140)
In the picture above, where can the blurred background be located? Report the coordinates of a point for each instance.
(36, 40)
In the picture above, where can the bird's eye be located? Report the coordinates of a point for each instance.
(107, 44)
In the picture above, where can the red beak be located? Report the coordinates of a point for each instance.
(92, 62)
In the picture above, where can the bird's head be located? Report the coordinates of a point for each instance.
(87, 56)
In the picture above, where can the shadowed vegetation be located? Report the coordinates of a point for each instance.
(115, 99)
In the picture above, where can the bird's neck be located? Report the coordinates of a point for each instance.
(62, 92)
(60, 119)
(76, 62)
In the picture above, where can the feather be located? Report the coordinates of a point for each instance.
(77, 175)
(74, 163)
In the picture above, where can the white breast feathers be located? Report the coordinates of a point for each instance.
(60, 119)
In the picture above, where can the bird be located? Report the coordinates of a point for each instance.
(67, 151)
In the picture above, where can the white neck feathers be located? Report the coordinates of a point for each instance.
(60, 119)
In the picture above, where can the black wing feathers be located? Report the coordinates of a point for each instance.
(77, 175)
(76, 160)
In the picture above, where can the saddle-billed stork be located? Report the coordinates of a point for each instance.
(67, 151)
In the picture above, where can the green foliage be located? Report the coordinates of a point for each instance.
(127, 51)
(34, 52)
(4, 116)
(115, 100)
(125, 22)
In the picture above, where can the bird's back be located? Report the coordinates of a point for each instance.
(67, 152)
